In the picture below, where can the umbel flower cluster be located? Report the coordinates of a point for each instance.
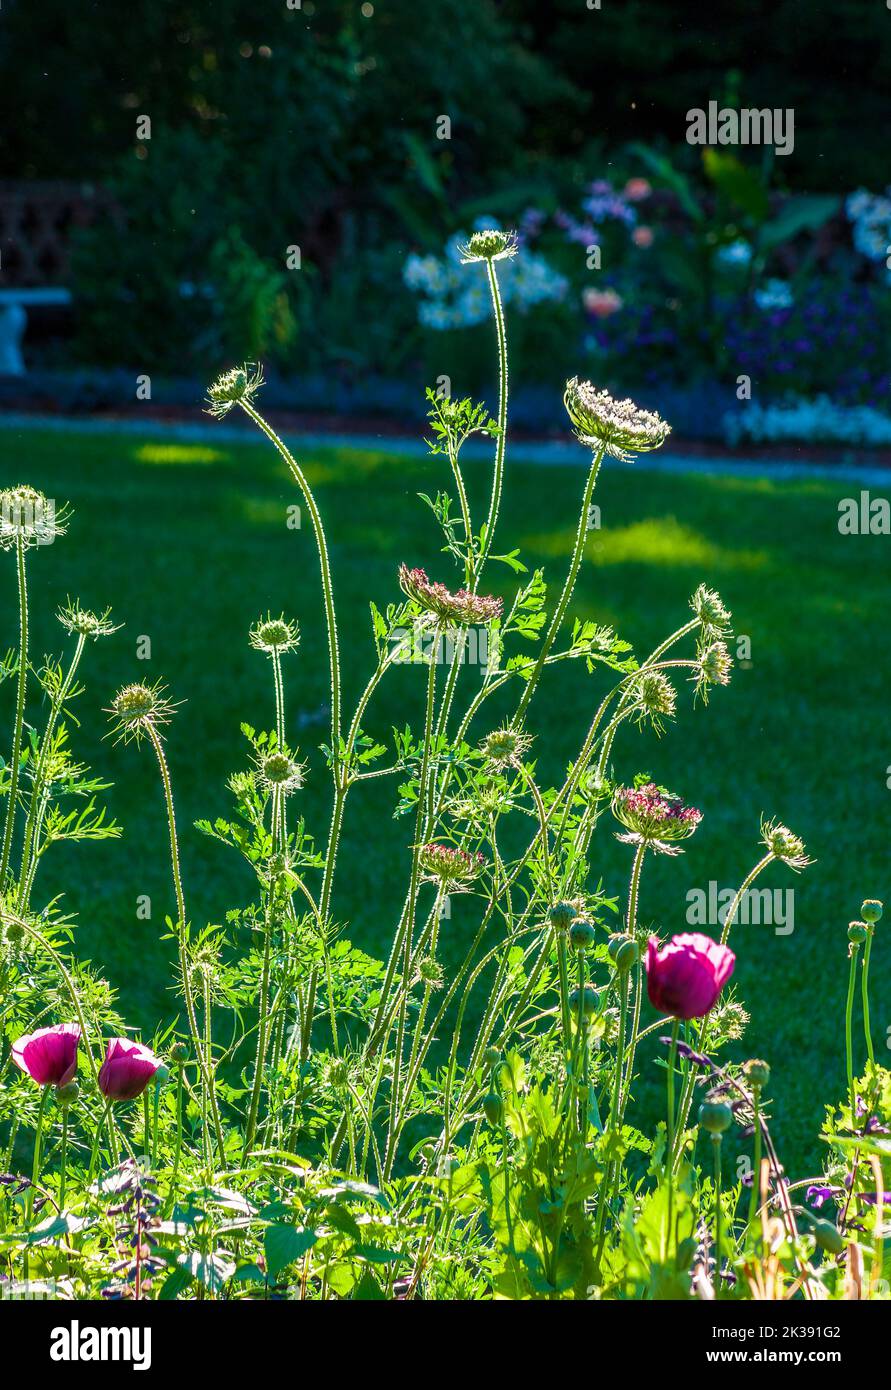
(472, 1115)
(459, 608)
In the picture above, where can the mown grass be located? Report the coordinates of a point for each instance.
(189, 543)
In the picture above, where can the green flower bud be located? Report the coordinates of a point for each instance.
(615, 944)
(871, 910)
(492, 1056)
(715, 1116)
(493, 1107)
(858, 932)
(587, 1000)
(581, 934)
(179, 1054)
(67, 1095)
(757, 1073)
(828, 1237)
(161, 1075)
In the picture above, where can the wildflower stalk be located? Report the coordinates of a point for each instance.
(670, 1127)
(262, 1019)
(38, 1153)
(563, 602)
(37, 803)
(849, 1043)
(716, 1147)
(864, 985)
(19, 710)
(756, 1161)
(500, 443)
(185, 971)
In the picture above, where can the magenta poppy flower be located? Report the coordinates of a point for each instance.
(49, 1056)
(686, 975)
(127, 1070)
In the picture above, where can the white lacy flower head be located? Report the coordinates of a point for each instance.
(620, 427)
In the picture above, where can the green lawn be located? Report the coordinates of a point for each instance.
(189, 544)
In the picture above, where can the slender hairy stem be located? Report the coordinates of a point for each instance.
(500, 443)
(864, 985)
(670, 1129)
(849, 1041)
(19, 711)
(204, 1063)
(563, 602)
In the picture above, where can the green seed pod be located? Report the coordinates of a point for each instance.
(757, 1073)
(492, 1056)
(625, 956)
(561, 916)
(179, 1054)
(715, 1116)
(871, 910)
(67, 1095)
(616, 943)
(493, 1107)
(587, 999)
(858, 932)
(828, 1237)
(581, 934)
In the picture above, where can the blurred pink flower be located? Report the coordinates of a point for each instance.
(642, 236)
(49, 1056)
(127, 1070)
(638, 189)
(602, 303)
(686, 975)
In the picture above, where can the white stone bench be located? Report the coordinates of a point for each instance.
(14, 306)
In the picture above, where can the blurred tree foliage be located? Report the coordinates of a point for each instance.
(316, 127)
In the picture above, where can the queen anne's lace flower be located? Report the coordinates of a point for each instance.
(449, 866)
(785, 845)
(654, 817)
(450, 607)
(28, 518)
(239, 384)
(138, 708)
(621, 427)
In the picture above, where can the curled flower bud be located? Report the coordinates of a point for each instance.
(280, 772)
(461, 607)
(784, 845)
(449, 866)
(505, 747)
(28, 518)
(238, 386)
(138, 708)
(85, 623)
(493, 1107)
(490, 244)
(654, 816)
(709, 609)
(273, 635)
(621, 427)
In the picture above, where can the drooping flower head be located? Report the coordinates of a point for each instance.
(714, 665)
(686, 975)
(449, 866)
(237, 386)
(127, 1070)
(138, 708)
(273, 635)
(709, 609)
(490, 244)
(656, 698)
(654, 816)
(85, 623)
(785, 845)
(28, 518)
(621, 427)
(460, 607)
(49, 1056)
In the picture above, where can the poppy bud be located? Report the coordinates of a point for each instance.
(587, 999)
(626, 955)
(715, 1116)
(581, 934)
(757, 1073)
(179, 1054)
(68, 1094)
(615, 942)
(493, 1107)
(561, 916)
(828, 1237)
(492, 1056)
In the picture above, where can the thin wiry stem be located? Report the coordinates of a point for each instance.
(19, 710)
